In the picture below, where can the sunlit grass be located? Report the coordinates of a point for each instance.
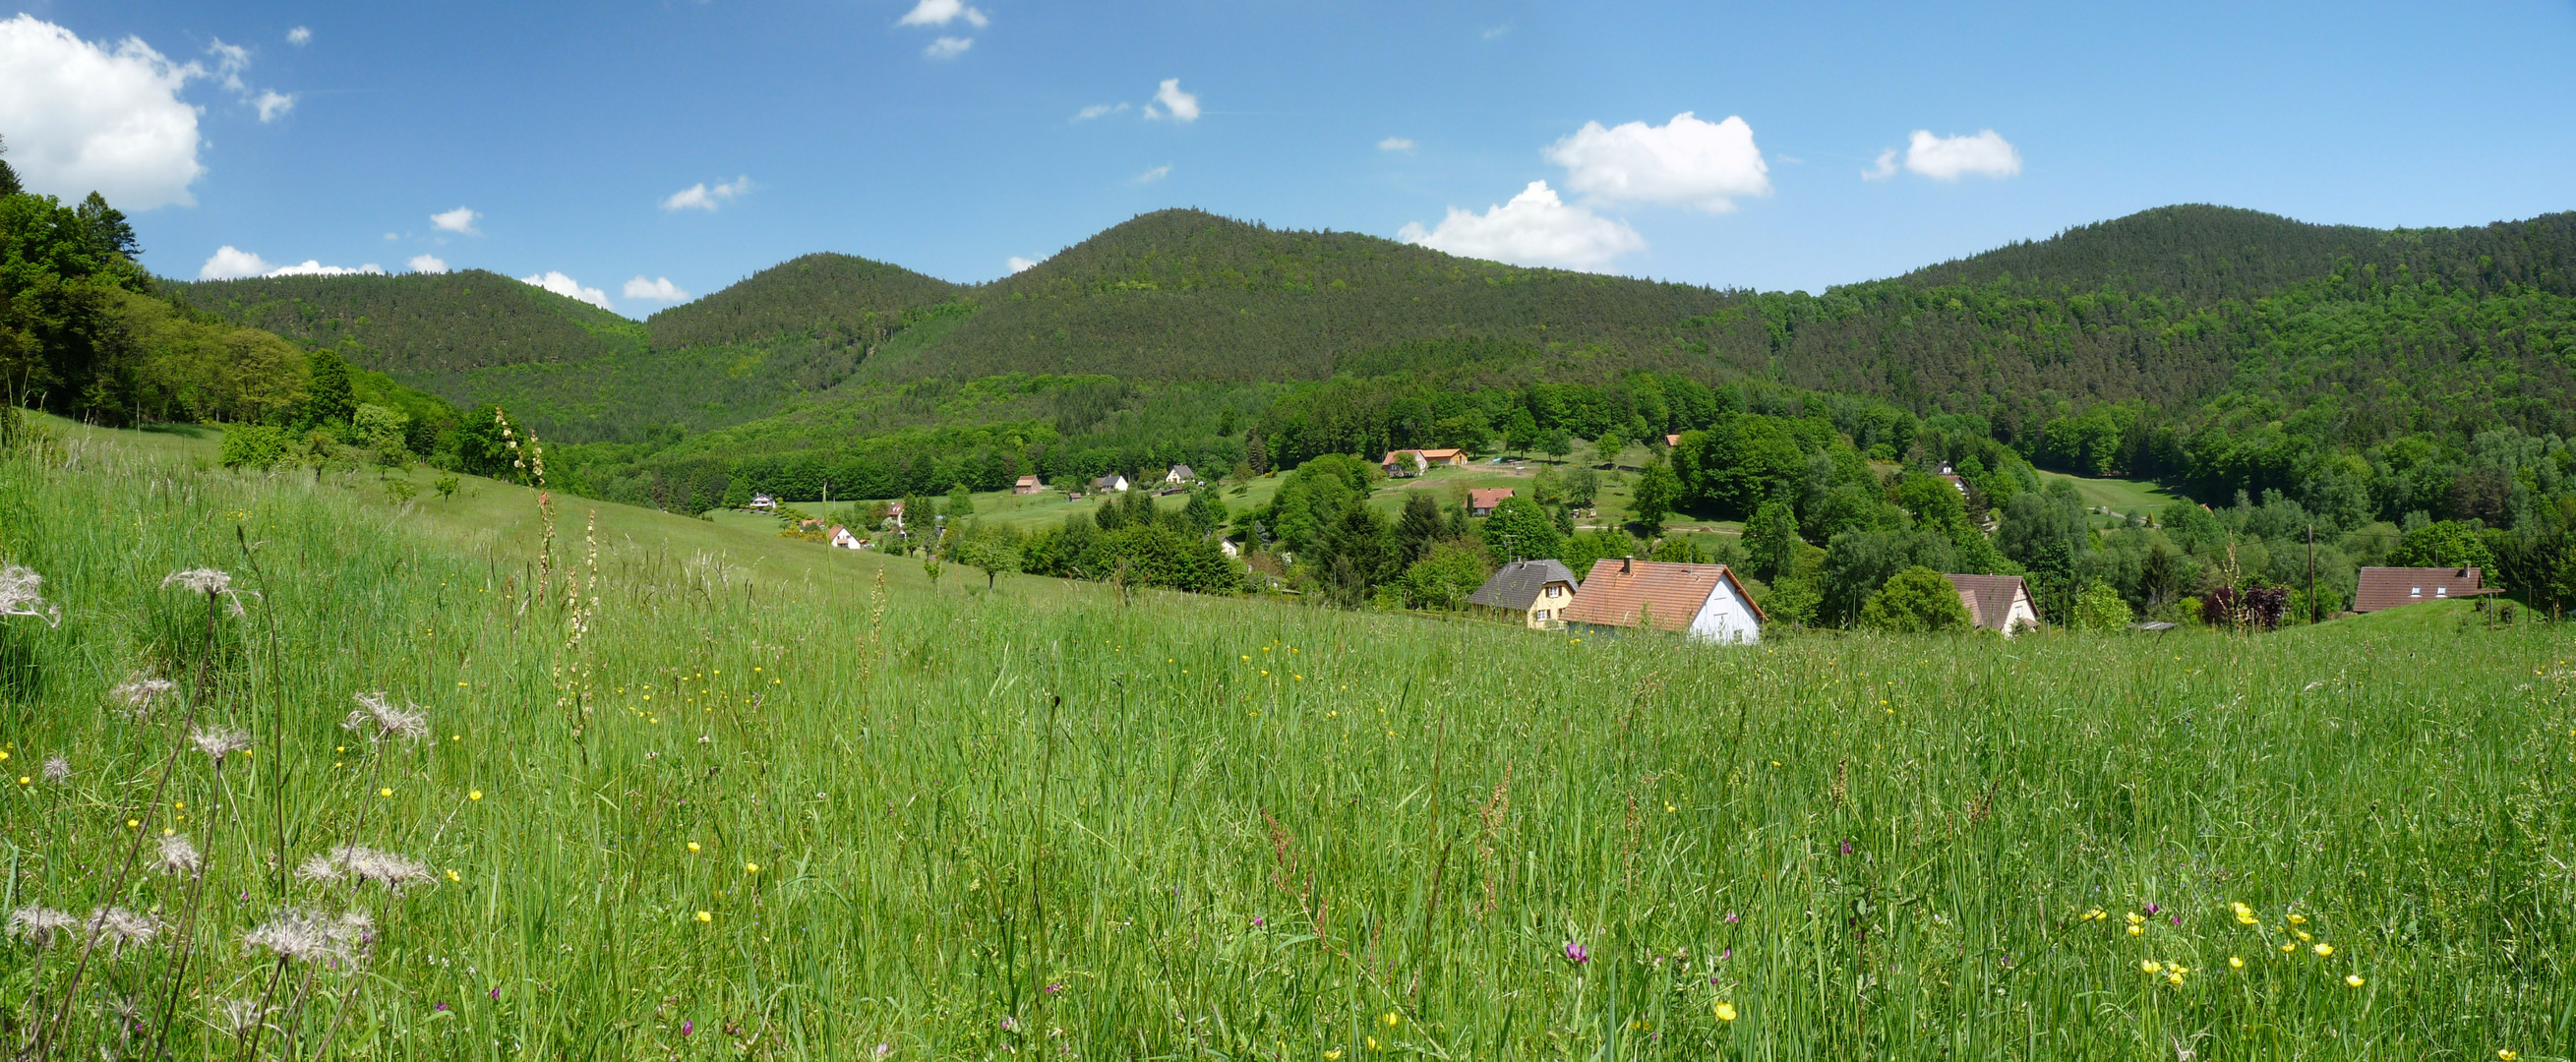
(793, 815)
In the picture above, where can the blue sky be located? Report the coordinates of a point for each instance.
(566, 130)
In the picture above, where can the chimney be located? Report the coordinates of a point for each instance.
(1625, 563)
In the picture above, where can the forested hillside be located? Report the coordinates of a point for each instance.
(420, 324)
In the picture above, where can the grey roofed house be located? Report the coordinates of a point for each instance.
(1996, 602)
(1517, 585)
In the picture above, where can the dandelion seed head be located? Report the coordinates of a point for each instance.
(21, 594)
(218, 742)
(57, 767)
(39, 923)
(178, 856)
(122, 926)
(377, 717)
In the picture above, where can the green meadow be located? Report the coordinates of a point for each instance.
(680, 789)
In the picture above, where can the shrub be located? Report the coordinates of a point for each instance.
(1914, 601)
(253, 445)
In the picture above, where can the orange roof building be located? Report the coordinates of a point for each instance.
(1481, 500)
(2387, 588)
(1704, 600)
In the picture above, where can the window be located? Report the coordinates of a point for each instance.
(2441, 591)
(2415, 592)
(1540, 615)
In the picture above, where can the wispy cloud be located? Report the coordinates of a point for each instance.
(299, 36)
(1170, 102)
(948, 47)
(1098, 110)
(460, 220)
(702, 196)
(1155, 174)
(941, 13)
(1395, 143)
(658, 289)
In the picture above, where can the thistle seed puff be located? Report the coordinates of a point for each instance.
(296, 935)
(240, 1016)
(217, 742)
(376, 713)
(201, 580)
(57, 767)
(39, 923)
(140, 693)
(365, 864)
(21, 595)
(122, 926)
(178, 856)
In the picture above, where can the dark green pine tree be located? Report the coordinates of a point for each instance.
(327, 397)
(1420, 526)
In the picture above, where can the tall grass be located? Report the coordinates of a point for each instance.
(737, 817)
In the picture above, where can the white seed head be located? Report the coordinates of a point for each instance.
(57, 767)
(218, 742)
(21, 594)
(240, 1016)
(377, 718)
(201, 580)
(365, 865)
(122, 926)
(178, 856)
(319, 868)
(39, 923)
(295, 934)
(140, 693)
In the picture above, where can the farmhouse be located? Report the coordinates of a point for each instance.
(2387, 588)
(1028, 485)
(843, 539)
(1702, 599)
(1416, 462)
(894, 517)
(1481, 502)
(1180, 476)
(1531, 591)
(1999, 603)
(1951, 476)
(1672, 439)
(1111, 482)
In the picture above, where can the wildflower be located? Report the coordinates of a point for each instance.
(39, 923)
(1847, 848)
(2136, 918)
(2234, 963)
(1392, 1019)
(1725, 1011)
(2324, 950)
(385, 792)
(2298, 919)
(19, 595)
(364, 864)
(2137, 931)
(2151, 908)
(2354, 980)
(297, 935)
(178, 856)
(1575, 953)
(1054, 987)
(2507, 1054)
(751, 868)
(2174, 977)
(57, 767)
(217, 742)
(475, 794)
(1731, 918)
(1332, 1055)
(2095, 915)
(2244, 914)
(375, 712)
(705, 916)
(2287, 948)
(452, 876)
(688, 1025)
(693, 846)
(2150, 966)
(139, 694)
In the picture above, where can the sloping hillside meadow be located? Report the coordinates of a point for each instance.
(712, 800)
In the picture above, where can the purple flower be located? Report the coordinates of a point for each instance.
(1256, 921)
(687, 1026)
(1730, 918)
(442, 1008)
(1052, 989)
(1725, 955)
(1846, 847)
(1008, 1024)
(496, 992)
(1575, 953)
(2151, 908)
(2177, 919)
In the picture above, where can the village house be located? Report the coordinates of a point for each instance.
(843, 539)
(1672, 439)
(1530, 591)
(1180, 476)
(1952, 478)
(1999, 603)
(1112, 482)
(1704, 600)
(1028, 485)
(1481, 501)
(2387, 588)
(762, 503)
(1415, 462)
(894, 517)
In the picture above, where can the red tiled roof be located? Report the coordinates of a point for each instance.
(1438, 454)
(1670, 594)
(1486, 499)
(2383, 588)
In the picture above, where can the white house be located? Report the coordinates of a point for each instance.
(1112, 482)
(1999, 603)
(1702, 599)
(1180, 476)
(762, 503)
(843, 539)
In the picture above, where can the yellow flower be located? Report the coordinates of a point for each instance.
(385, 792)
(1668, 808)
(704, 916)
(2174, 978)
(132, 824)
(23, 779)
(693, 846)
(2135, 918)
(1392, 1019)
(2150, 966)
(451, 876)
(2302, 935)
(1372, 1044)
(168, 832)
(2298, 919)
(2324, 950)
(2137, 931)
(751, 868)
(2094, 915)
(2288, 948)
(2507, 1054)
(1725, 1011)
(2234, 963)
(1335, 1053)
(2354, 980)
(474, 794)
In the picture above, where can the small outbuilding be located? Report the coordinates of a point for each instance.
(1533, 591)
(2387, 588)
(1028, 485)
(1704, 600)
(1999, 603)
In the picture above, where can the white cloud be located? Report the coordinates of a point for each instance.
(460, 220)
(1947, 158)
(428, 263)
(299, 36)
(568, 288)
(230, 61)
(1883, 169)
(314, 268)
(1021, 265)
(273, 105)
(658, 289)
(1498, 31)
(948, 47)
(702, 196)
(1155, 174)
(82, 117)
(1685, 162)
(1395, 143)
(1098, 110)
(941, 13)
(1176, 105)
(231, 263)
(1535, 228)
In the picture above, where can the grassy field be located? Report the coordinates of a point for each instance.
(700, 795)
(2120, 496)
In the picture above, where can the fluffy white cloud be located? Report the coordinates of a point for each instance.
(231, 263)
(658, 289)
(299, 36)
(948, 47)
(1021, 265)
(1883, 169)
(82, 117)
(1684, 162)
(702, 196)
(428, 263)
(230, 61)
(459, 220)
(312, 267)
(941, 13)
(1155, 174)
(1170, 102)
(568, 288)
(1395, 143)
(1098, 110)
(1535, 228)
(1948, 158)
(273, 105)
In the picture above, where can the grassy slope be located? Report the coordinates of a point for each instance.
(2121, 496)
(1189, 826)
